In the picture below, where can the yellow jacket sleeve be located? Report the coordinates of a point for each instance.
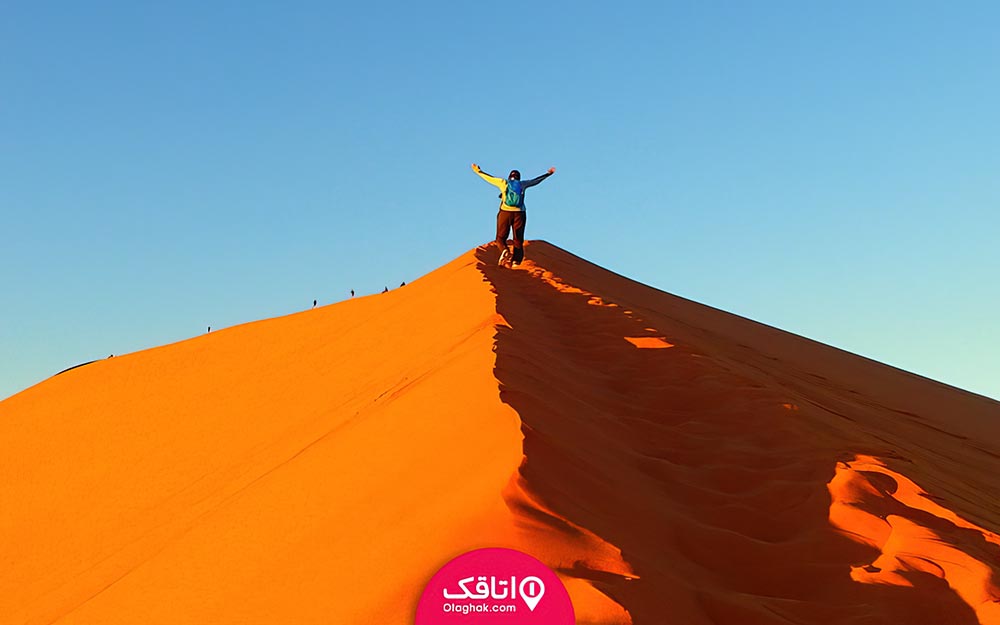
(499, 183)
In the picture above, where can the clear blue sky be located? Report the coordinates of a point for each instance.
(827, 168)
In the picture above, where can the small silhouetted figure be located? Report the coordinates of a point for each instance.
(209, 328)
(352, 292)
(314, 303)
(385, 290)
(403, 283)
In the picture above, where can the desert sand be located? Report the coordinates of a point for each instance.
(673, 462)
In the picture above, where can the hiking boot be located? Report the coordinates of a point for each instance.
(505, 257)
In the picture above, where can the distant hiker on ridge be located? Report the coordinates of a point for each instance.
(512, 213)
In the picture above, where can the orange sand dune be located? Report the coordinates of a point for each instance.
(675, 464)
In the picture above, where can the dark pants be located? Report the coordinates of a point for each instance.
(516, 220)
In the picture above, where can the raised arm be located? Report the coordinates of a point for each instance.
(496, 182)
(530, 183)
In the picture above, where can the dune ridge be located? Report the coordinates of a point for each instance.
(256, 473)
(673, 463)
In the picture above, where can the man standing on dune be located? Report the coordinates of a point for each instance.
(512, 214)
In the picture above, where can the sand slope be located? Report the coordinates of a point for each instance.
(673, 462)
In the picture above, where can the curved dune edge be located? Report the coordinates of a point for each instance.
(886, 510)
(256, 474)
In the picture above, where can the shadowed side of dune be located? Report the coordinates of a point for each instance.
(654, 425)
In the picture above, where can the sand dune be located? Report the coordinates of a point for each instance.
(674, 463)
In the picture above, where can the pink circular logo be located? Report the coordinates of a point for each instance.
(495, 586)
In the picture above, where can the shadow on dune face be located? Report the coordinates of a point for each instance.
(713, 490)
(913, 533)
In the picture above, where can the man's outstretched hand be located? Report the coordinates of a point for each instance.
(475, 168)
(552, 170)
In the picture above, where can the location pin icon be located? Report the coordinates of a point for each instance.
(531, 589)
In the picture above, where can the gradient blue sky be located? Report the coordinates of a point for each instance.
(827, 168)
